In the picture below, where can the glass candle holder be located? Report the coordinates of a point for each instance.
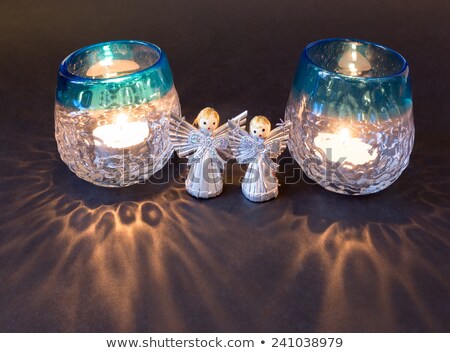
(351, 111)
(113, 102)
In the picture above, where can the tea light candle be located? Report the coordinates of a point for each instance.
(122, 134)
(345, 148)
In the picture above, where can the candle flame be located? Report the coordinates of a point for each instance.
(121, 119)
(353, 69)
(106, 62)
(352, 66)
(344, 135)
(352, 62)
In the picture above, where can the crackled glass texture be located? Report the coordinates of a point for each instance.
(113, 102)
(351, 111)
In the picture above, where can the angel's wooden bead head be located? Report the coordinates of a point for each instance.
(207, 120)
(260, 127)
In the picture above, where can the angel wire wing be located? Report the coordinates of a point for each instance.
(242, 145)
(240, 120)
(180, 131)
(277, 139)
(222, 134)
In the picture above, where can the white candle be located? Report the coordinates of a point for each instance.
(112, 68)
(122, 134)
(342, 145)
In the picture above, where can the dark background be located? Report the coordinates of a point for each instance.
(76, 257)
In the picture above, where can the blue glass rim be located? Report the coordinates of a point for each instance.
(63, 67)
(365, 42)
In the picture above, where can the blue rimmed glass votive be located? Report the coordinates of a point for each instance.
(351, 111)
(113, 102)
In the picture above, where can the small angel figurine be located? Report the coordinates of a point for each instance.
(202, 147)
(257, 148)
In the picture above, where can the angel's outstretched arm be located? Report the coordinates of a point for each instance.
(240, 120)
(222, 134)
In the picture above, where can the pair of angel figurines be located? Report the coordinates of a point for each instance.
(210, 146)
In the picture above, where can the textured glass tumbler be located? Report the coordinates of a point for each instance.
(351, 111)
(113, 102)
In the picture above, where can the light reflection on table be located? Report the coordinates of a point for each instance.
(76, 257)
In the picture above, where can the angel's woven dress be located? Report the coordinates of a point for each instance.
(260, 183)
(205, 177)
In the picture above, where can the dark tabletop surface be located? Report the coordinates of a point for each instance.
(76, 257)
